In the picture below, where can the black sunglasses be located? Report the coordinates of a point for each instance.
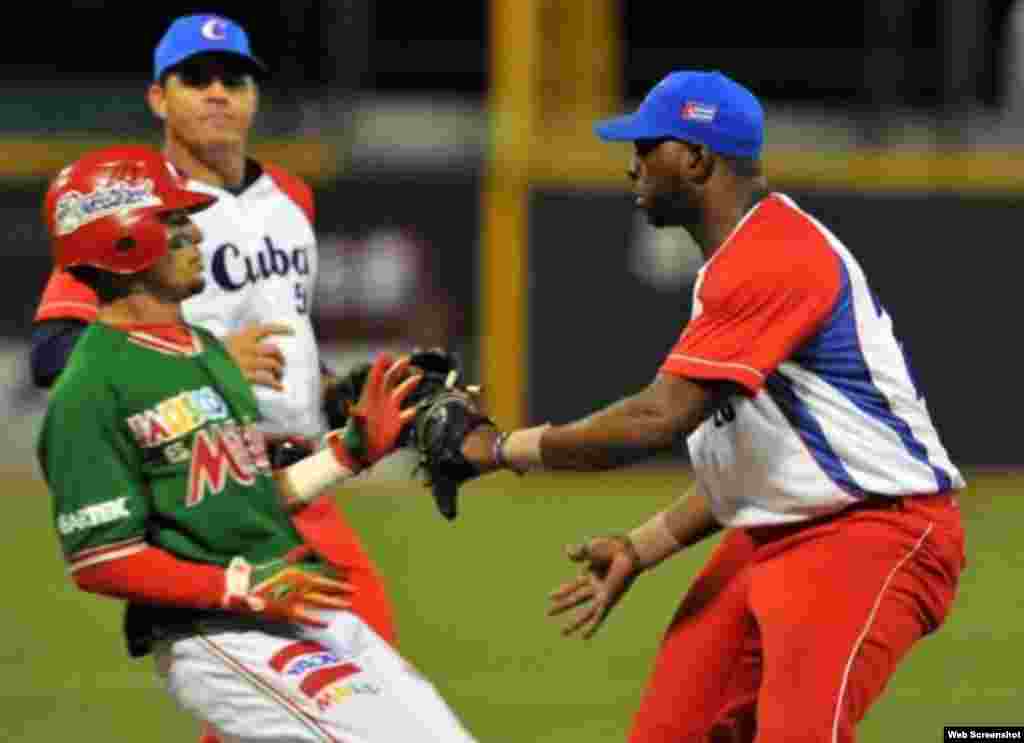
(202, 73)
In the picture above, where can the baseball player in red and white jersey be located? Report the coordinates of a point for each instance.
(810, 441)
(260, 265)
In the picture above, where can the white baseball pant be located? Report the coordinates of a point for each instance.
(296, 684)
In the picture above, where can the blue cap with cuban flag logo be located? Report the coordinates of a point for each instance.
(197, 34)
(705, 108)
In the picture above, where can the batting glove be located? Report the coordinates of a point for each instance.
(282, 591)
(376, 422)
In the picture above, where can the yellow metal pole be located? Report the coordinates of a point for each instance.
(580, 64)
(505, 193)
(554, 68)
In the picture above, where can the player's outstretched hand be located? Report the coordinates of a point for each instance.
(609, 569)
(376, 422)
(283, 590)
(261, 363)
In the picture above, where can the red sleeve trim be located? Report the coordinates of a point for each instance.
(693, 367)
(105, 553)
(67, 298)
(294, 188)
(764, 294)
(154, 576)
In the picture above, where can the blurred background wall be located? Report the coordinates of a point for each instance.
(464, 201)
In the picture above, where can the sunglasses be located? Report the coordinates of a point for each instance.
(202, 74)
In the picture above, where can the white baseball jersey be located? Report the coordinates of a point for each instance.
(831, 412)
(260, 263)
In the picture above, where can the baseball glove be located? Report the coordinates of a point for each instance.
(447, 413)
(439, 429)
(436, 365)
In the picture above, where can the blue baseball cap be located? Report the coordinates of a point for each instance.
(196, 34)
(705, 108)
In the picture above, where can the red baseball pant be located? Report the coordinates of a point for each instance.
(790, 633)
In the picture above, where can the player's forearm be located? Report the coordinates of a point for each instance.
(627, 431)
(690, 519)
(303, 482)
(686, 522)
(589, 444)
(155, 576)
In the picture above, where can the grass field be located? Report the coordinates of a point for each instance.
(470, 599)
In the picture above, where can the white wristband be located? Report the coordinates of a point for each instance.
(237, 577)
(303, 481)
(520, 450)
(654, 541)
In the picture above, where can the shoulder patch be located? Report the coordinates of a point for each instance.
(294, 188)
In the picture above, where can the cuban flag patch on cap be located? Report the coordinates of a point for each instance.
(702, 112)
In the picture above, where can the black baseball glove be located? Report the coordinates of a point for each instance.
(446, 415)
(436, 365)
(440, 428)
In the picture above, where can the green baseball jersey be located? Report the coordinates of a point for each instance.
(151, 442)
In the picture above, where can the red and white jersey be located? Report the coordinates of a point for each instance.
(260, 264)
(831, 413)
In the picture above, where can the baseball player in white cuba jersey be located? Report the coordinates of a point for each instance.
(267, 277)
(842, 411)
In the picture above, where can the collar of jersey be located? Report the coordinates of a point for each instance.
(168, 338)
(254, 173)
(770, 197)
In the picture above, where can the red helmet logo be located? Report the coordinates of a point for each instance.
(104, 209)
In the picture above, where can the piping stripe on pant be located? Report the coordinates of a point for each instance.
(867, 628)
(268, 690)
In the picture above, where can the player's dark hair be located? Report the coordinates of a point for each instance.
(744, 167)
(108, 286)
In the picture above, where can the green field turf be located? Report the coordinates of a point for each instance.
(471, 598)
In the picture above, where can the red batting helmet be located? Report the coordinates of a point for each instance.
(103, 210)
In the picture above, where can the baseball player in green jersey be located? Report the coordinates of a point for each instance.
(164, 496)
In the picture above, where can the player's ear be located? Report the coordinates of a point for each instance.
(701, 162)
(155, 99)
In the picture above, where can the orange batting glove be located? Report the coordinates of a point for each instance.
(376, 421)
(282, 591)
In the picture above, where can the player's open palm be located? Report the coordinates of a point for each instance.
(261, 362)
(609, 569)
